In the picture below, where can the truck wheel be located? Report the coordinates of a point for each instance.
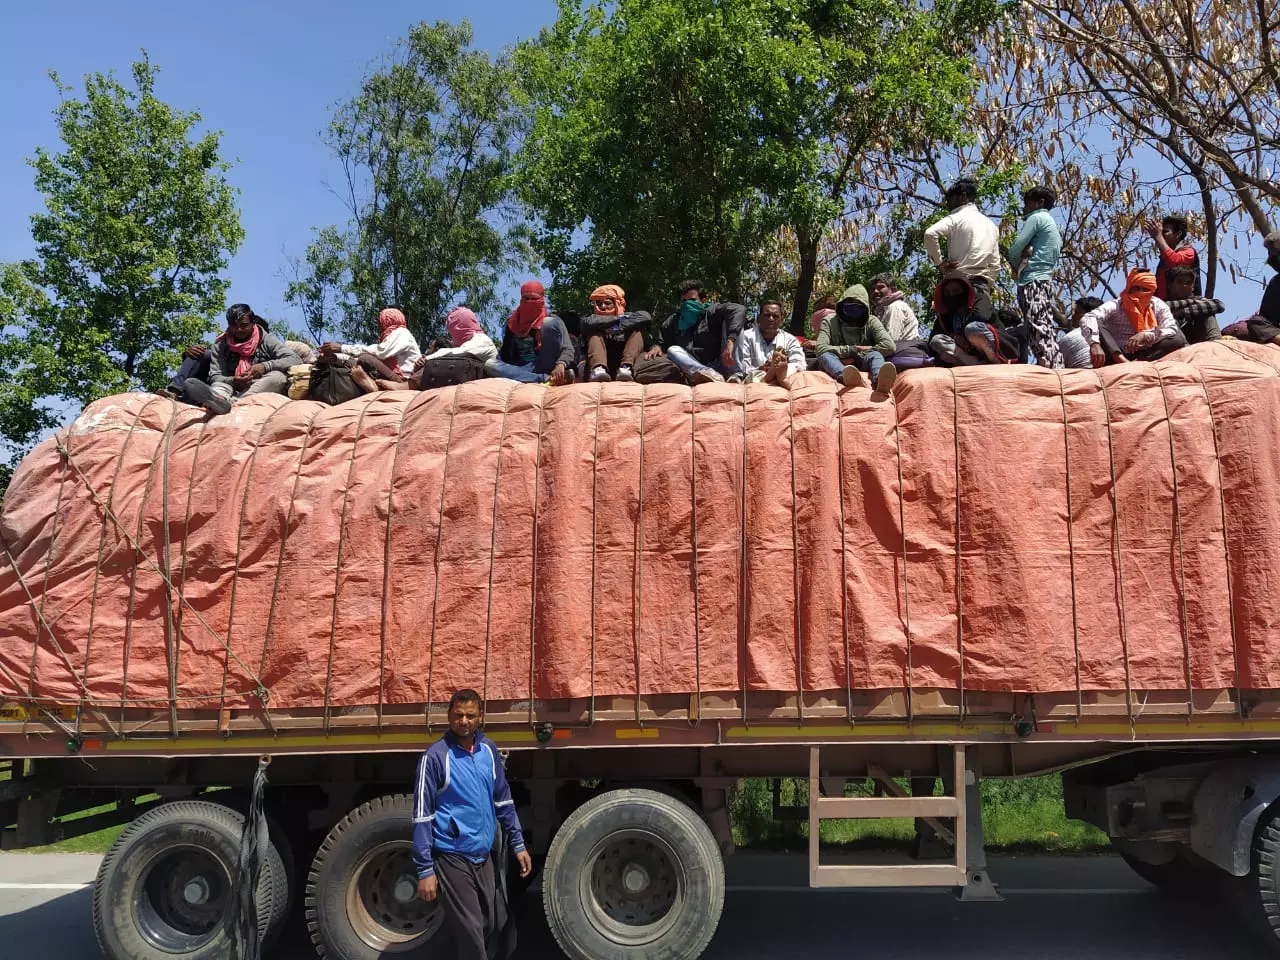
(165, 887)
(1260, 890)
(633, 873)
(362, 892)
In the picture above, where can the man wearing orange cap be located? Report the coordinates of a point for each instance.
(536, 346)
(615, 337)
(1137, 326)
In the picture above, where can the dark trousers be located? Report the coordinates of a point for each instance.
(1161, 348)
(379, 369)
(467, 893)
(611, 352)
(192, 368)
(982, 305)
(1262, 330)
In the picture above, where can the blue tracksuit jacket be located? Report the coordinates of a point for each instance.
(458, 797)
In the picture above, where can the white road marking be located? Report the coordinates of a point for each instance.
(44, 886)
(1014, 891)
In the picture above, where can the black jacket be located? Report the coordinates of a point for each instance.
(720, 322)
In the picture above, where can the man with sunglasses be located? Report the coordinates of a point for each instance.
(614, 336)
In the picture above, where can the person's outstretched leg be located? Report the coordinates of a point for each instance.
(694, 371)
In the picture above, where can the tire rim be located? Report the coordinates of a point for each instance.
(633, 889)
(181, 899)
(383, 905)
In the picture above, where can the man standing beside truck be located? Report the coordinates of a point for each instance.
(460, 794)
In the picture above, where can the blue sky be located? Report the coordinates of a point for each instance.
(266, 73)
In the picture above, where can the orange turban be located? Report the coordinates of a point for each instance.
(1135, 300)
(617, 294)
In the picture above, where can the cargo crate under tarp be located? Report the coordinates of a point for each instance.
(984, 543)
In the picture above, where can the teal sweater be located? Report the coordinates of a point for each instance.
(1040, 233)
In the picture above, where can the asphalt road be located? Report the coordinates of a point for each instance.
(1055, 909)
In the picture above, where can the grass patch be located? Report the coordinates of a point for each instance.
(1024, 815)
(99, 841)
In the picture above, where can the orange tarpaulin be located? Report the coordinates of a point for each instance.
(1104, 530)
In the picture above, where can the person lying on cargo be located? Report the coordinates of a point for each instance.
(397, 348)
(614, 336)
(246, 360)
(853, 340)
(766, 353)
(195, 363)
(960, 335)
(1197, 317)
(536, 346)
(892, 308)
(460, 795)
(973, 244)
(1137, 326)
(1264, 326)
(470, 349)
(1075, 352)
(700, 337)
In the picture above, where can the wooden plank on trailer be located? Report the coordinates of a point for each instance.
(962, 801)
(874, 808)
(813, 817)
(894, 875)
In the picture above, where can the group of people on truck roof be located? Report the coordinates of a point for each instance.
(861, 338)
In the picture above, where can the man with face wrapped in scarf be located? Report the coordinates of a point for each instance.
(1136, 326)
(536, 346)
(614, 335)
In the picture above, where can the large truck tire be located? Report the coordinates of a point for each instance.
(165, 887)
(633, 873)
(1258, 894)
(362, 892)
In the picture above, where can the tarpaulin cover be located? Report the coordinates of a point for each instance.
(992, 529)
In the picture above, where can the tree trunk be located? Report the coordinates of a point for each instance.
(807, 242)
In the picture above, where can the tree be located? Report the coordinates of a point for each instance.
(139, 221)
(426, 150)
(682, 135)
(316, 285)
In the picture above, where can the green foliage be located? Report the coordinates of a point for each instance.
(427, 147)
(139, 221)
(682, 135)
(1018, 814)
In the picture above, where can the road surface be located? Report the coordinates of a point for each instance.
(1055, 909)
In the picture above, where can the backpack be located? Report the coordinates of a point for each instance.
(332, 384)
(657, 370)
(447, 371)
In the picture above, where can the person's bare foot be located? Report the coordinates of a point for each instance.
(361, 378)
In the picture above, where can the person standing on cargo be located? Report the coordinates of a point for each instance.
(460, 795)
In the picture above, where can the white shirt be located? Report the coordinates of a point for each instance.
(399, 350)
(973, 242)
(900, 320)
(752, 353)
(480, 346)
(1117, 322)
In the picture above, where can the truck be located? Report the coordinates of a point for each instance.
(212, 624)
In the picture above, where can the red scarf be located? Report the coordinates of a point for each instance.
(244, 350)
(390, 319)
(527, 318)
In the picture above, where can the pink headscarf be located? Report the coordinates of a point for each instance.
(389, 319)
(462, 325)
